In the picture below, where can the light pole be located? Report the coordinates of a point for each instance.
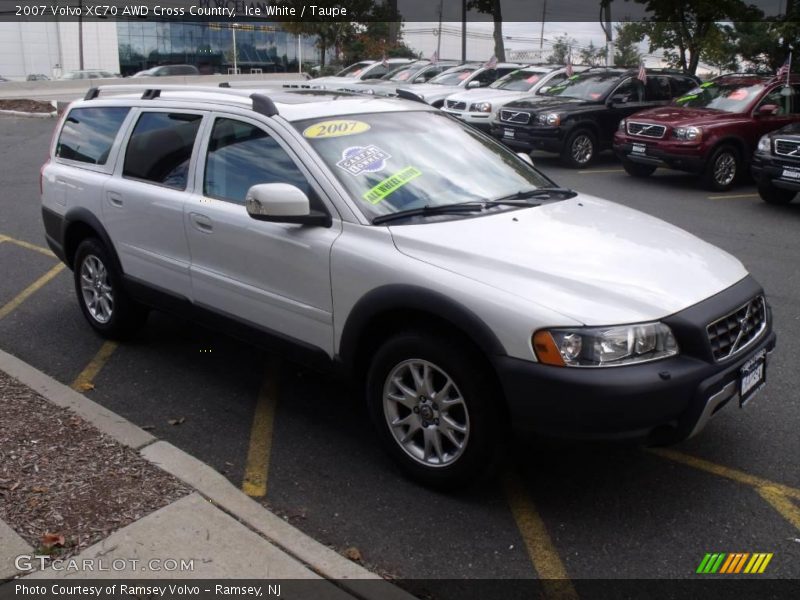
(80, 35)
(235, 58)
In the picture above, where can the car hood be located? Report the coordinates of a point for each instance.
(488, 95)
(426, 90)
(681, 116)
(553, 103)
(332, 81)
(589, 259)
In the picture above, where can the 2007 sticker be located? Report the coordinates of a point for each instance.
(335, 128)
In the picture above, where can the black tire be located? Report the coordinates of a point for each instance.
(637, 169)
(115, 315)
(481, 409)
(716, 177)
(580, 149)
(773, 195)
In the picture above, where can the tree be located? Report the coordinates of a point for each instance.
(492, 7)
(627, 45)
(592, 55)
(686, 29)
(764, 45)
(561, 50)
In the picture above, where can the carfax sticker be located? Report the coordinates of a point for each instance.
(363, 159)
(335, 128)
(391, 184)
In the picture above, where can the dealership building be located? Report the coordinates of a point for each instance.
(52, 48)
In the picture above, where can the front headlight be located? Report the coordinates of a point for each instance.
(549, 119)
(481, 107)
(690, 134)
(764, 145)
(604, 346)
(621, 126)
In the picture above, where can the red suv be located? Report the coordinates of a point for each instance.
(712, 130)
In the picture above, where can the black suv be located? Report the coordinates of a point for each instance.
(776, 165)
(578, 117)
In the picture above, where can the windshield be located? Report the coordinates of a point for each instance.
(453, 76)
(354, 70)
(587, 86)
(403, 73)
(519, 81)
(390, 162)
(733, 98)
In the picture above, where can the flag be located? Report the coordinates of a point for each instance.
(435, 57)
(384, 61)
(642, 74)
(785, 67)
(569, 70)
(491, 63)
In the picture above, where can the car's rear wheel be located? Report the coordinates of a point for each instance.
(434, 408)
(637, 169)
(722, 169)
(580, 149)
(772, 195)
(103, 301)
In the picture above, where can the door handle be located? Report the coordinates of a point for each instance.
(114, 198)
(201, 222)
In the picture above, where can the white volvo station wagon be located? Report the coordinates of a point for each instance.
(380, 239)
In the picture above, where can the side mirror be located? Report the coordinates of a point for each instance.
(473, 84)
(617, 99)
(282, 203)
(525, 157)
(767, 110)
(543, 89)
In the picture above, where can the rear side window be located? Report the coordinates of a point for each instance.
(89, 133)
(657, 88)
(160, 148)
(682, 85)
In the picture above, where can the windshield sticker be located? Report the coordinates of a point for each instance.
(334, 128)
(594, 95)
(707, 84)
(391, 184)
(463, 76)
(363, 159)
(686, 98)
(533, 79)
(739, 94)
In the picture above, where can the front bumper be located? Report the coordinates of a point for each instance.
(685, 157)
(770, 170)
(659, 402)
(548, 139)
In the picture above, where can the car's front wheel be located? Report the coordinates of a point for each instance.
(580, 149)
(773, 195)
(434, 408)
(103, 301)
(722, 169)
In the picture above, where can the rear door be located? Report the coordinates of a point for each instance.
(143, 202)
(273, 275)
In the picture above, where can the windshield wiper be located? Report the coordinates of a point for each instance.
(427, 210)
(523, 197)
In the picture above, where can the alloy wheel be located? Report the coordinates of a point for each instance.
(95, 289)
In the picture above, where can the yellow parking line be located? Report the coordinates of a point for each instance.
(733, 196)
(727, 472)
(256, 469)
(24, 294)
(85, 381)
(590, 171)
(782, 504)
(28, 245)
(542, 552)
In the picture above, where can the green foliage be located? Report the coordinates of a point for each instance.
(560, 50)
(592, 55)
(626, 45)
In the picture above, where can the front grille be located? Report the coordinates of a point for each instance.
(513, 116)
(734, 332)
(787, 148)
(456, 105)
(646, 129)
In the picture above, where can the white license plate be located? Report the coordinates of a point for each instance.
(752, 377)
(508, 133)
(791, 174)
(639, 149)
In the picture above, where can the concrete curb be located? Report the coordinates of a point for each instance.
(211, 485)
(19, 113)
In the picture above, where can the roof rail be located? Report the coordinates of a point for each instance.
(262, 103)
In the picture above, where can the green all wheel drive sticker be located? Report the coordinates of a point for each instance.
(391, 184)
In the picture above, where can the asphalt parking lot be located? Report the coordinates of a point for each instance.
(302, 444)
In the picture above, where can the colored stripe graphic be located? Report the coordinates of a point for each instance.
(734, 563)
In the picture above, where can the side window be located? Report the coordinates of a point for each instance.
(241, 155)
(486, 77)
(787, 103)
(377, 72)
(89, 133)
(681, 85)
(555, 80)
(657, 89)
(160, 148)
(630, 90)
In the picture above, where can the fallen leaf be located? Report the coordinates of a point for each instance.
(39, 490)
(176, 421)
(86, 386)
(50, 540)
(353, 554)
